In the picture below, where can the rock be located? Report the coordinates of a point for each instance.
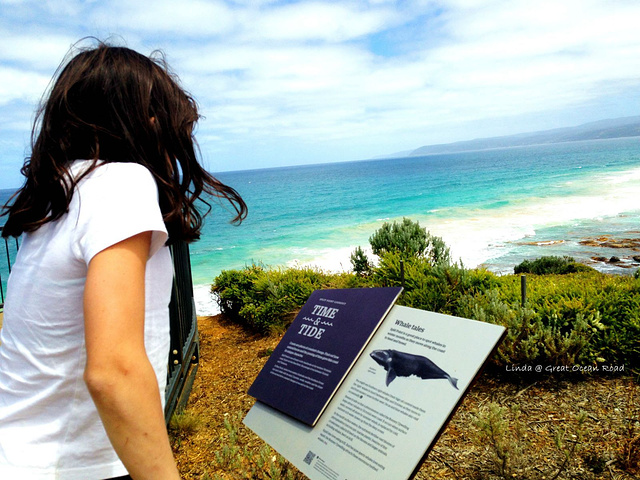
(606, 241)
(614, 259)
(636, 258)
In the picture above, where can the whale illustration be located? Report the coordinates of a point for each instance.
(400, 364)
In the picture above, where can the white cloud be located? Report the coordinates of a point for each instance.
(345, 91)
(254, 3)
(17, 84)
(320, 21)
(312, 71)
(43, 52)
(186, 19)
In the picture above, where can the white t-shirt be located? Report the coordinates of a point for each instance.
(49, 426)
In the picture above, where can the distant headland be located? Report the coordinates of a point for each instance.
(602, 129)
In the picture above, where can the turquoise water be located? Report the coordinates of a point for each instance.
(479, 202)
(494, 207)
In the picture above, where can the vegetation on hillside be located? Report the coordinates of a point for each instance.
(529, 428)
(573, 316)
(573, 320)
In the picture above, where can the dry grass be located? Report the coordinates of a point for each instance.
(542, 427)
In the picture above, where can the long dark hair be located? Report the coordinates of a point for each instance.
(112, 104)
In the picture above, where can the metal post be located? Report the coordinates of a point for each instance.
(402, 273)
(523, 289)
(7, 254)
(183, 360)
(6, 251)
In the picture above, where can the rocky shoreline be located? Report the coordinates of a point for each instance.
(629, 248)
(604, 252)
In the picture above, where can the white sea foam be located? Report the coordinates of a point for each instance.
(477, 236)
(204, 300)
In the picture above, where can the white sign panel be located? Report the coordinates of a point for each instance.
(394, 403)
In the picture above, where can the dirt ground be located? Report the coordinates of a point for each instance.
(510, 425)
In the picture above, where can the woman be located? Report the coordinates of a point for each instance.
(111, 181)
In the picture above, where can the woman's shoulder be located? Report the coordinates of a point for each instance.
(122, 174)
(115, 186)
(112, 168)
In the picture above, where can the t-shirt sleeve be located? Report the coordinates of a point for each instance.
(118, 201)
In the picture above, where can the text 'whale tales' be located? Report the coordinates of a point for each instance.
(400, 364)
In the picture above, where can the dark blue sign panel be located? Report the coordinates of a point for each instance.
(319, 349)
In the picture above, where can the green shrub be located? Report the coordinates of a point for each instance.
(551, 264)
(430, 287)
(437, 251)
(406, 238)
(581, 318)
(266, 299)
(232, 288)
(529, 339)
(360, 262)
(576, 318)
(480, 280)
(615, 300)
(521, 343)
(409, 240)
(243, 458)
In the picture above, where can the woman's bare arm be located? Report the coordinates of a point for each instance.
(118, 373)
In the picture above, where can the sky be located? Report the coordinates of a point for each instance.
(295, 82)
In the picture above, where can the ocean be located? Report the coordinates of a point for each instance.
(493, 208)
